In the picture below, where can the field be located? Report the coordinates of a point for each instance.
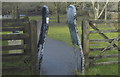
(60, 31)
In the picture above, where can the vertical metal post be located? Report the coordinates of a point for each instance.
(43, 33)
(75, 38)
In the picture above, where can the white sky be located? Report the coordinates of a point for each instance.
(58, 0)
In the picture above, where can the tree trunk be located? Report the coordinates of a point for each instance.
(58, 10)
(106, 13)
(17, 13)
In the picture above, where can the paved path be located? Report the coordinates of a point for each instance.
(58, 58)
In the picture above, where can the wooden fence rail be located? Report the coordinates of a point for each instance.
(102, 40)
(104, 31)
(14, 36)
(104, 21)
(28, 37)
(105, 56)
(86, 25)
(104, 63)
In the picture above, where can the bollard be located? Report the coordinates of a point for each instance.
(75, 38)
(45, 22)
(72, 23)
(43, 33)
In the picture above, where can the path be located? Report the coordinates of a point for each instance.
(58, 59)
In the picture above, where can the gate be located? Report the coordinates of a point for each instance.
(95, 32)
(21, 47)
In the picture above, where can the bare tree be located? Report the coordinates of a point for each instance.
(57, 7)
(96, 8)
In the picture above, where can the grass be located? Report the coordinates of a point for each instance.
(103, 70)
(37, 18)
(61, 33)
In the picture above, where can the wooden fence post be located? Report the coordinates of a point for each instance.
(26, 40)
(85, 40)
(85, 36)
(33, 43)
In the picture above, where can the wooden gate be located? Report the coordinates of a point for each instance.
(19, 50)
(100, 40)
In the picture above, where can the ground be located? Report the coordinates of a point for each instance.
(61, 33)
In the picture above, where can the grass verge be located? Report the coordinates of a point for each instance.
(61, 33)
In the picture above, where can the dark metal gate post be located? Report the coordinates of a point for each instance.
(75, 38)
(43, 33)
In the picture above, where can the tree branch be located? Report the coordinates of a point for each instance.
(103, 9)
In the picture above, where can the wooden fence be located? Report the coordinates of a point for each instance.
(99, 27)
(28, 54)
